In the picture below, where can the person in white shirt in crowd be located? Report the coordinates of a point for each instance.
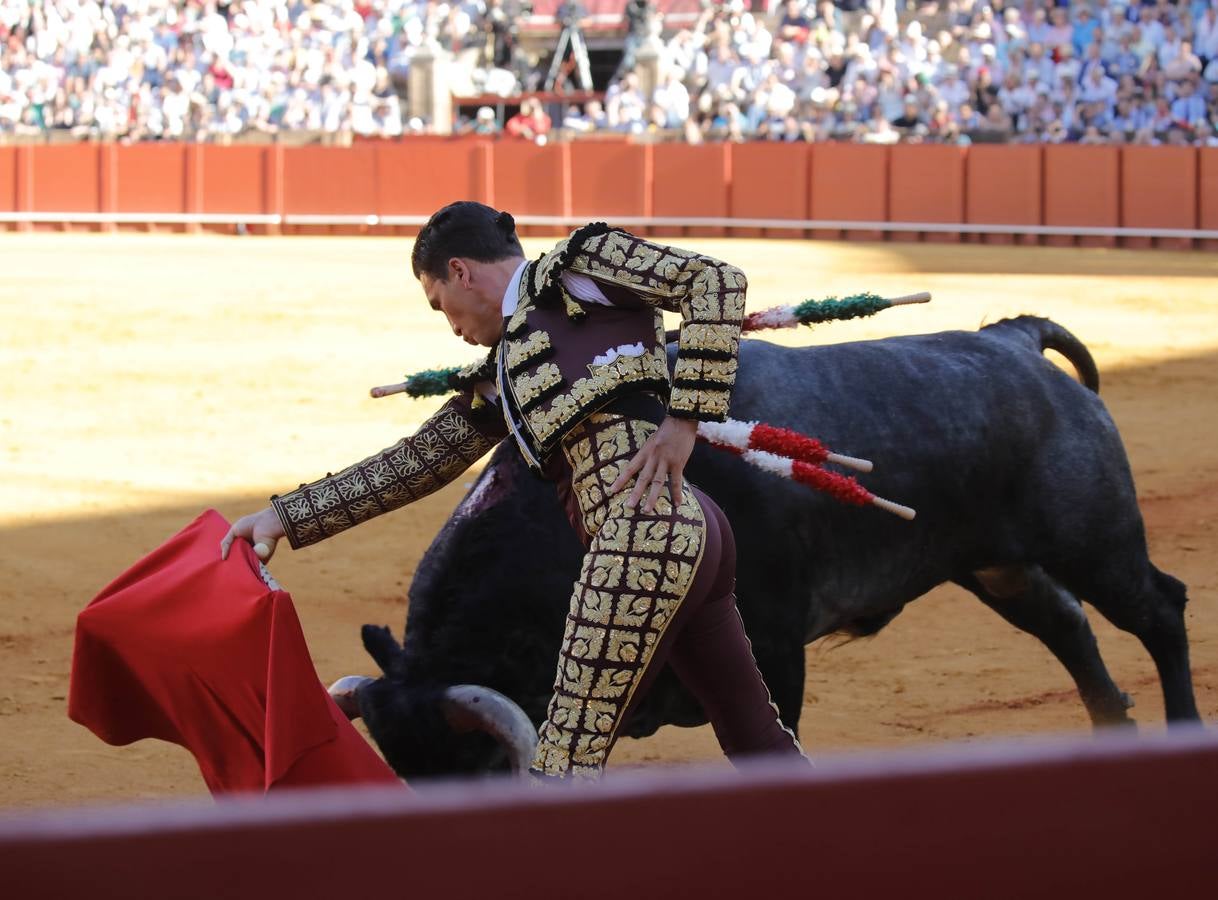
(670, 100)
(1098, 88)
(1151, 27)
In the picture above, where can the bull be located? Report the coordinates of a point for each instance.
(1024, 497)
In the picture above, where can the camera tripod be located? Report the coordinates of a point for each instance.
(571, 37)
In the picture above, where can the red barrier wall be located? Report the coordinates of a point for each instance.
(66, 178)
(531, 180)
(926, 184)
(8, 179)
(608, 179)
(1062, 186)
(850, 182)
(1109, 819)
(691, 181)
(151, 178)
(1207, 192)
(1159, 187)
(233, 179)
(336, 180)
(417, 178)
(769, 181)
(1003, 187)
(1082, 187)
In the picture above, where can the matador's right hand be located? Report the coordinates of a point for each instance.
(262, 529)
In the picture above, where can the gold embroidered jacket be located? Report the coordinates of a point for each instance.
(547, 375)
(548, 370)
(444, 446)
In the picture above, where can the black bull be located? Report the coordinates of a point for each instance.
(1024, 497)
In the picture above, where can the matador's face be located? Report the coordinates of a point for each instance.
(472, 308)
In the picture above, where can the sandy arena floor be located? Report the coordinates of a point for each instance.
(147, 377)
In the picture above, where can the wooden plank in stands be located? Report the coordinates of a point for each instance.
(1121, 817)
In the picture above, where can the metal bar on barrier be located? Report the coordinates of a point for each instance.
(119, 218)
(372, 220)
(307, 219)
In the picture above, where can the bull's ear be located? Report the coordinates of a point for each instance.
(381, 646)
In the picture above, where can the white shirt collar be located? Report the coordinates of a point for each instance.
(511, 297)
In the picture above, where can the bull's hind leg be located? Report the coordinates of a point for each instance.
(1136, 597)
(1031, 601)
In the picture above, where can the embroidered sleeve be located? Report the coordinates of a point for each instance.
(444, 446)
(709, 295)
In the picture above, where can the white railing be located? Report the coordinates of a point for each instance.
(373, 221)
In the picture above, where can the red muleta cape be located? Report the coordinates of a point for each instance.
(201, 652)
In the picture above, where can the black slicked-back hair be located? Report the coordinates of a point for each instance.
(465, 228)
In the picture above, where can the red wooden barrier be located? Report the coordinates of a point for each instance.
(1158, 190)
(532, 180)
(1067, 187)
(417, 178)
(1207, 193)
(608, 179)
(691, 182)
(8, 179)
(65, 178)
(330, 180)
(1082, 187)
(1117, 818)
(769, 181)
(234, 179)
(849, 182)
(151, 178)
(1002, 187)
(926, 184)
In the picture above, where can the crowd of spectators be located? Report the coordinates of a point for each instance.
(149, 69)
(1103, 71)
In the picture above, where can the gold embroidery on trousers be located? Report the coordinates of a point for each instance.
(638, 569)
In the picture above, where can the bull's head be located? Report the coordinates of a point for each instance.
(432, 730)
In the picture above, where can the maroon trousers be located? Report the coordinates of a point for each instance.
(708, 649)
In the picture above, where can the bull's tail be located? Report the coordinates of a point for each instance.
(1046, 334)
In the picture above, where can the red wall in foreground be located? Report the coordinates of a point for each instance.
(1063, 186)
(1114, 818)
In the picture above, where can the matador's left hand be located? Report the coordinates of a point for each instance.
(662, 459)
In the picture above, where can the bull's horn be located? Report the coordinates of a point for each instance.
(344, 693)
(472, 707)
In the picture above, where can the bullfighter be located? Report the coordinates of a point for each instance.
(577, 378)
